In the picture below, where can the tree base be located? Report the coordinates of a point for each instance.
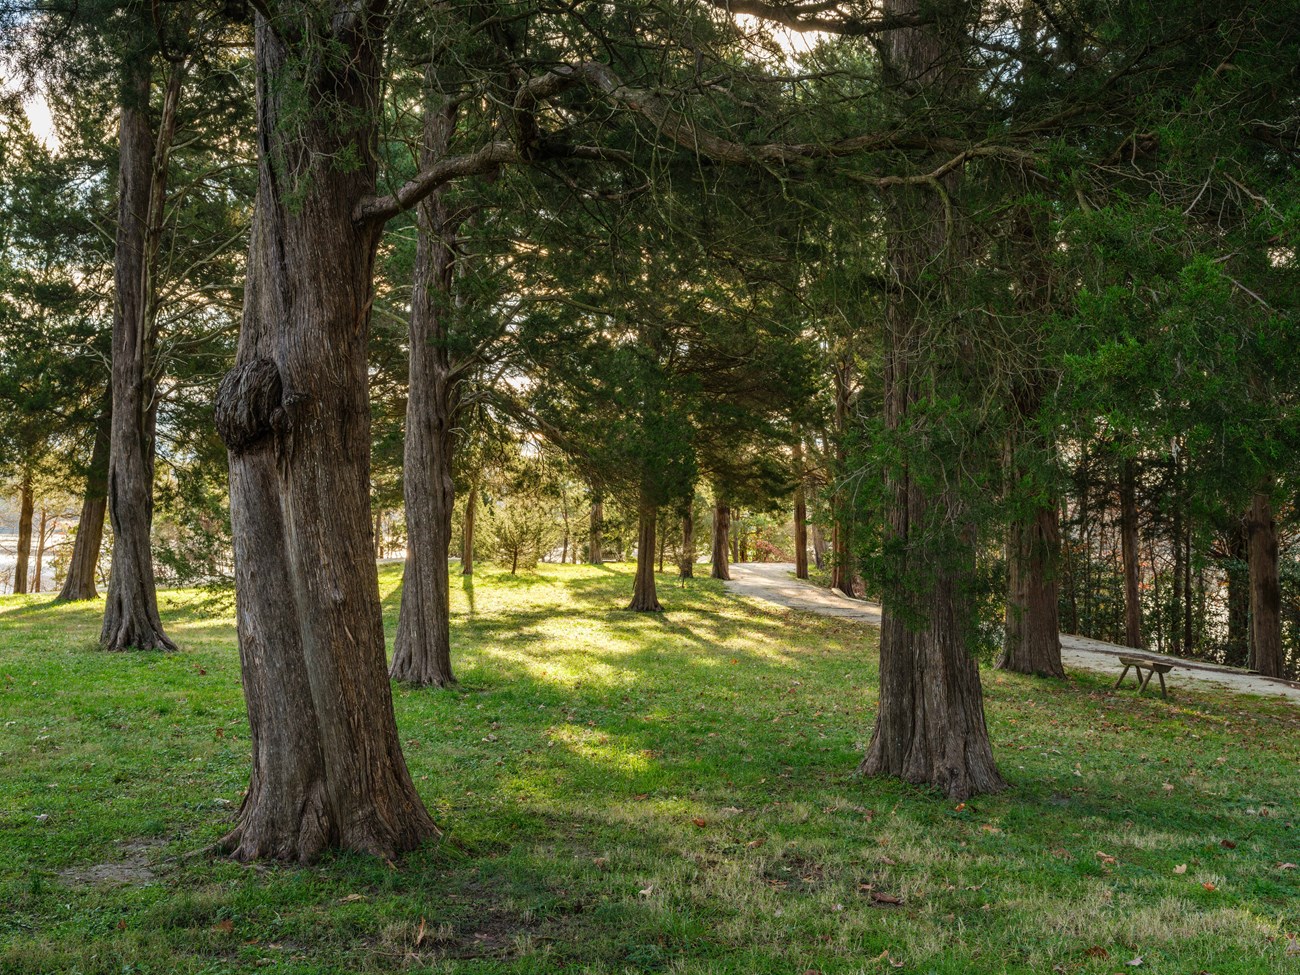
(75, 595)
(956, 781)
(407, 672)
(1041, 664)
(300, 831)
(120, 636)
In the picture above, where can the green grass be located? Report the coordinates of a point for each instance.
(639, 793)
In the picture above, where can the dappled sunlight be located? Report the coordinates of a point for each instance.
(592, 745)
(686, 774)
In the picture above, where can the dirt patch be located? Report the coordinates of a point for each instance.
(132, 869)
(794, 872)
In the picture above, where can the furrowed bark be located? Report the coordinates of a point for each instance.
(721, 529)
(1032, 641)
(644, 598)
(1266, 655)
(84, 562)
(328, 770)
(930, 726)
(1031, 638)
(131, 609)
(422, 650)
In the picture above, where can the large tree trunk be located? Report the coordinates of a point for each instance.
(1265, 590)
(644, 599)
(467, 532)
(687, 567)
(84, 562)
(131, 609)
(721, 529)
(596, 543)
(1129, 548)
(1032, 641)
(422, 650)
(328, 769)
(930, 726)
(26, 508)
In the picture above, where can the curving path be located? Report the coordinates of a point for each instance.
(774, 582)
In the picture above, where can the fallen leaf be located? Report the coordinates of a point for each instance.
(699, 821)
(1227, 844)
(1209, 886)
(419, 935)
(1181, 868)
(225, 927)
(880, 897)
(1134, 961)
(647, 891)
(1097, 951)
(1168, 787)
(1286, 866)
(959, 807)
(755, 844)
(601, 862)
(352, 897)
(1106, 858)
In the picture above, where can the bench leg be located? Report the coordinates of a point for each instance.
(1122, 676)
(1163, 695)
(1144, 684)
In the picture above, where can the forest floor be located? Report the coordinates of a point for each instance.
(635, 793)
(775, 582)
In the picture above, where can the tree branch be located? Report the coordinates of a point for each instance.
(804, 17)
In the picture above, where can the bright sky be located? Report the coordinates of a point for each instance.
(38, 114)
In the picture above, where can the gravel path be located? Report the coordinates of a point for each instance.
(775, 583)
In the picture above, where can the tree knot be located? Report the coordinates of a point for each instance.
(249, 404)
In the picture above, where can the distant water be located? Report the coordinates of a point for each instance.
(9, 559)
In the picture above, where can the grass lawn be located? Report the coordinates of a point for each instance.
(639, 793)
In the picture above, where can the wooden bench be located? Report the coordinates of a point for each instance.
(1150, 666)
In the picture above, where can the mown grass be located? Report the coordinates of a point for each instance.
(637, 793)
